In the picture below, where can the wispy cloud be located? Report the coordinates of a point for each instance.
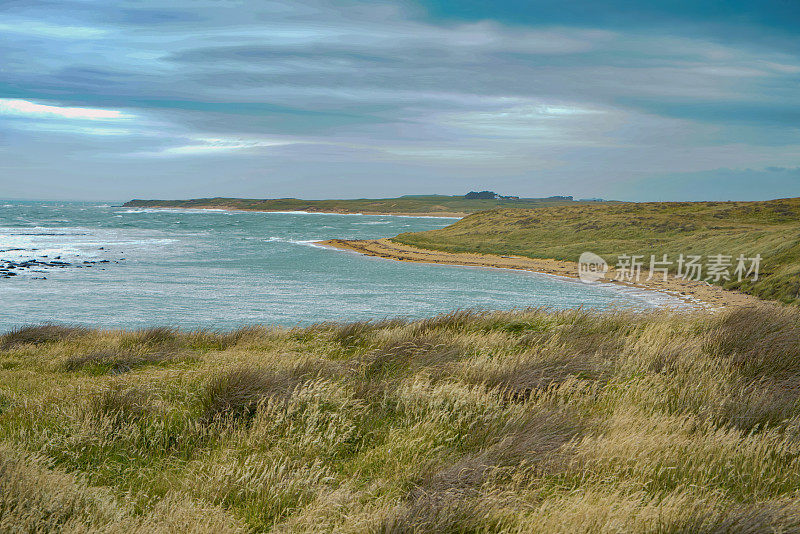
(49, 126)
(45, 29)
(207, 145)
(547, 123)
(26, 108)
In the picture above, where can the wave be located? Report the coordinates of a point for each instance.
(70, 243)
(313, 213)
(174, 210)
(424, 216)
(290, 212)
(22, 254)
(654, 298)
(304, 242)
(171, 210)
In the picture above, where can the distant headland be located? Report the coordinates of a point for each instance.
(416, 205)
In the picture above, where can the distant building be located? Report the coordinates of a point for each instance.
(483, 195)
(488, 195)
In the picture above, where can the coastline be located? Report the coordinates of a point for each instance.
(700, 295)
(433, 214)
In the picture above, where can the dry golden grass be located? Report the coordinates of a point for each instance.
(528, 421)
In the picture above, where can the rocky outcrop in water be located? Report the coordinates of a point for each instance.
(9, 269)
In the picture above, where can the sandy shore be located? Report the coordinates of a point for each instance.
(697, 294)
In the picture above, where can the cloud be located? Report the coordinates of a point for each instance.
(532, 97)
(47, 30)
(206, 145)
(72, 129)
(26, 108)
(545, 123)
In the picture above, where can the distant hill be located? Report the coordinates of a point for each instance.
(770, 228)
(409, 204)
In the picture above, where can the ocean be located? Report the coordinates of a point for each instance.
(106, 266)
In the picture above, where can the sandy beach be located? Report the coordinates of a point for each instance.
(701, 295)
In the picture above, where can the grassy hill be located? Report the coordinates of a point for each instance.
(518, 422)
(770, 228)
(406, 204)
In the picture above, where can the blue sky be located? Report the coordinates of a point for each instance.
(657, 100)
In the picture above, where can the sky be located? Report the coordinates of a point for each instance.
(650, 100)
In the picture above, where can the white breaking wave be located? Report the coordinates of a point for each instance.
(424, 216)
(311, 213)
(70, 243)
(174, 210)
(304, 242)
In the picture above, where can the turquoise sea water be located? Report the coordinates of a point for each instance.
(220, 269)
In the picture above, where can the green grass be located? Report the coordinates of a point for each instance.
(404, 204)
(770, 228)
(529, 421)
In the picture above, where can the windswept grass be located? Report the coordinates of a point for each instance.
(528, 421)
(44, 333)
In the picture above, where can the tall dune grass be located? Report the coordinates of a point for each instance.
(528, 421)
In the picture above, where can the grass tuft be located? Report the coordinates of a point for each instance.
(44, 333)
(236, 394)
(117, 362)
(156, 337)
